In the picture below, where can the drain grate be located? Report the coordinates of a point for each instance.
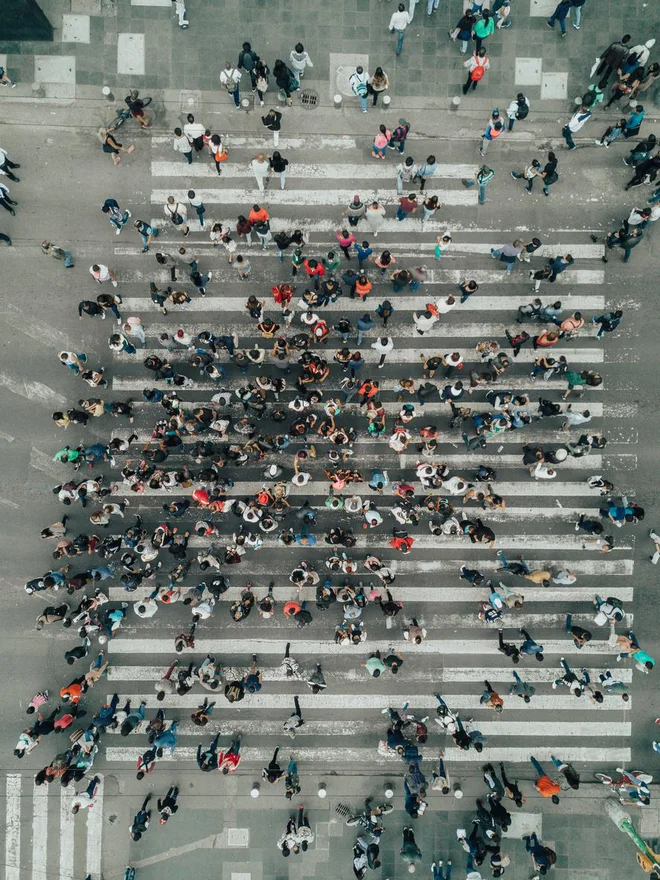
(309, 99)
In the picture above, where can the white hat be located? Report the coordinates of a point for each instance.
(299, 479)
(273, 471)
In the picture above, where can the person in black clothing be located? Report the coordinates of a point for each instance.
(277, 162)
(168, 806)
(248, 60)
(141, 820)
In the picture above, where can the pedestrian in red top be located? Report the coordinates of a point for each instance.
(228, 761)
(407, 205)
(346, 240)
(258, 215)
(314, 270)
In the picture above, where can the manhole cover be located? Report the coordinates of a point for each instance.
(309, 99)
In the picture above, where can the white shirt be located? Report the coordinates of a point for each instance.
(399, 21)
(383, 349)
(177, 208)
(578, 119)
(424, 323)
(260, 169)
(229, 76)
(444, 307)
(182, 144)
(512, 109)
(102, 275)
(299, 61)
(193, 129)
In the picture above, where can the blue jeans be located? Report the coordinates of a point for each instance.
(468, 184)
(537, 767)
(568, 137)
(119, 224)
(578, 18)
(379, 150)
(431, 5)
(363, 101)
(562, 22)
(655, 197)
(440, 873)
(200, 209)
(68, 259)
(145, 237)
(236, 96)
(399, 40)
(400, 214)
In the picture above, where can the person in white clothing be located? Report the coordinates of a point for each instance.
(194, 131)
(299, 60)
(133, 327)
(424, 321)
(101, 273)
(230, 78)
(575, 123)
(181, 144)
(541, 471)
(86, 799)
(399, 22)
(383, 347)
(359, 83)
(260, 169)
(180, 11)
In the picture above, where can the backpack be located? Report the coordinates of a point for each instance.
(478, 73)
(522, 111)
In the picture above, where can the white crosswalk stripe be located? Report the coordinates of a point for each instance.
(43, 838)
(459, 650)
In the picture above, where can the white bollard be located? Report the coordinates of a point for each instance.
(106, 91)
(455, 103)
(322, 790)
(255, 790)
(388, 790)
(386, 101)
(337, 100)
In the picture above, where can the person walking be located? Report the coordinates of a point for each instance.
(561, 11)
(626, 239)
(273, 122)
(359, 83)
(248, 60)
(230, 79)
(295, 720)
(545, 786)
(379, 84)
(398, 24)
(405, 173)
(575, 123)
(278, 164)
(634, 121)
(299, 60)
(115, 215)
(381, 140)
(494, 129)
(508, 254)
(7, 203)
(518, 109)
(611, 60)
(383, 346)
(146, 232)
(58, 253)
(463, 31)
(181, 144)
(399, 136)
(195, 202)
(101, 273)
(476, 66)
(168, 806)
(407, 206)
(178, 214)
(141, 820)
(410, 852)
(549, 174)
(530, 171)
(482, 178)
(484, 26)
(426, 170)
(261, 169)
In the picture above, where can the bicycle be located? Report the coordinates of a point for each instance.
(623, 787)
(366, 817)
(126, 113)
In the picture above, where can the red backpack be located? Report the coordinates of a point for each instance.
(478, 73)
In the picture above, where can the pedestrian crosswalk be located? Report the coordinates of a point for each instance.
(43, 837)
(343, 725)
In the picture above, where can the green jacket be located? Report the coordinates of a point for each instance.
(483, 29)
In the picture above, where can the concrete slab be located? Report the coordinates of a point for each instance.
(130, 54)
(524, 823)
(543, 8)
(3, 61)
(151, 3)
(238, 837)
(528, 71)
(86, 7)
(554, 85)
(60, 90)
(55, 69)
(238, 876)
(75, 28)
(342, 66)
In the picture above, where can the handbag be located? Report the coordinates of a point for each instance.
(177, 219)
(551, 178)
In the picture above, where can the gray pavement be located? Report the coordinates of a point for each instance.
(65, 178)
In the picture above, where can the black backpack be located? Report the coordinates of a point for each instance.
(522, 111)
